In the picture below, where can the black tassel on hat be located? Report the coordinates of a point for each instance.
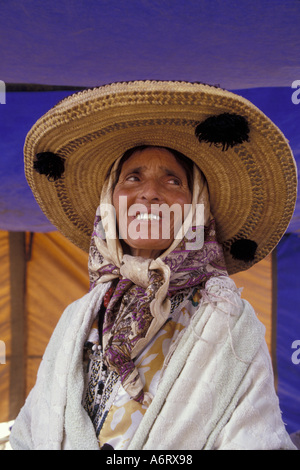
(243, 250)
(226, 130)
(49, 164)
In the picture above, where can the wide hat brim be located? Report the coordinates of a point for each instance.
(252, 185)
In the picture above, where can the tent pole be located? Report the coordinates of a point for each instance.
(274, 317)
(17, 254)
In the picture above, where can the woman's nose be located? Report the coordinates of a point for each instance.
(151, 191)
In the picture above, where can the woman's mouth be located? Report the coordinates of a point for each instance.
(147, 216)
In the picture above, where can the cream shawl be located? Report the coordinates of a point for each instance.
(224, 397)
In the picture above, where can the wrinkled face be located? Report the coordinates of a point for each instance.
(149, 199)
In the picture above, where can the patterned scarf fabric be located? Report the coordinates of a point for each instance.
(140, 303)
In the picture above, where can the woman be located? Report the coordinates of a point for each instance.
(173, 357)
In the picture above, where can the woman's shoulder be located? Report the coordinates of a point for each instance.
(223, 291)
(224, 312)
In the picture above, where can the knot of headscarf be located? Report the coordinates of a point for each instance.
(140, 303)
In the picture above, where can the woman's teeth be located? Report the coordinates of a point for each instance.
(147, 216)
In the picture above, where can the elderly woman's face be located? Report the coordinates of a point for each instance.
(151, 181)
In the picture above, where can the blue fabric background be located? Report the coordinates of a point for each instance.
(247, 46)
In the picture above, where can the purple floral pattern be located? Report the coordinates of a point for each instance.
(128, 316)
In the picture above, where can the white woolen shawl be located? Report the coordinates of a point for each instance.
(216, 390)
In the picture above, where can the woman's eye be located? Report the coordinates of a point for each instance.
(174, 181)
(132, 178)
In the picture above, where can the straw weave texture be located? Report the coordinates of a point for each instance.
(252, 185)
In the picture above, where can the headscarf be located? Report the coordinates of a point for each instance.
(140, 303)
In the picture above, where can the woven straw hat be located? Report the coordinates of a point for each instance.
(248, 164)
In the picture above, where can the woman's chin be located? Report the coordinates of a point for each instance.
(149, 249)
